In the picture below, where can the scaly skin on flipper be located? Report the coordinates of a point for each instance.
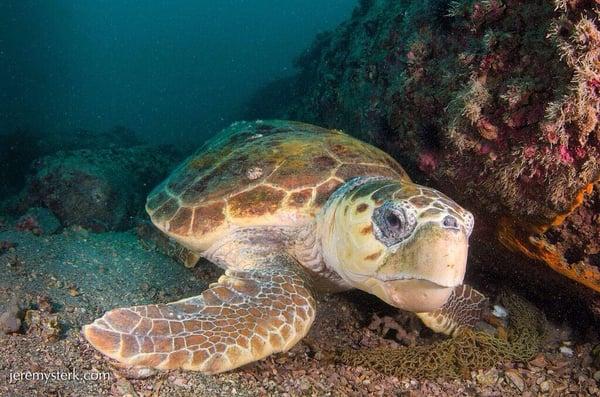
(244, 317)
(464, 308)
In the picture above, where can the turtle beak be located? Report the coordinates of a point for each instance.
(420, 276)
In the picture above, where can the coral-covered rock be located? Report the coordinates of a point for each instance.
(5, 245)
(29, 223)
(495, 102)
(38, 221)
(97, 189)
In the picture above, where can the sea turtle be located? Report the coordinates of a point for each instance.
(290, 210)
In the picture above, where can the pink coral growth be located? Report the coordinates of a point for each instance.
(485, 148)
(565, 155)
(529, 151)
(534, 175)
(594, 85)
(29, 223)
(427, 162)
(487, 129)
(580, 152)
(549, 131)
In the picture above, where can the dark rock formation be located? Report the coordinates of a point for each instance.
(18, 150)
(97, 189)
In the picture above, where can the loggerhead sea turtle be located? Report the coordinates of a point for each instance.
(290, 210)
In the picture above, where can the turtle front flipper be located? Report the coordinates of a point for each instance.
(244, 317)
(463, 308)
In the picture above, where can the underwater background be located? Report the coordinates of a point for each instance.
(171, 72)
(495, 103)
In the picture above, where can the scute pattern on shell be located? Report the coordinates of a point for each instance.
(256, 169)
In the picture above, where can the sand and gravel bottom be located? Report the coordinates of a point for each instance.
(60, 282)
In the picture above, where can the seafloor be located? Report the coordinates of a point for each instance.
(57, 283)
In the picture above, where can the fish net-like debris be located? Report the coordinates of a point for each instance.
(468, 350)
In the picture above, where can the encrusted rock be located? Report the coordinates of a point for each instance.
(43, 324)
(39, 221)
(97, 189)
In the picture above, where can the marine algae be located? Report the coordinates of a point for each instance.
(468, 350)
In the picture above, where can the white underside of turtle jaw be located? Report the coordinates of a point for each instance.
(414, 295)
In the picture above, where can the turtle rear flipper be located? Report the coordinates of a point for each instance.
(463, 309)
(244, 317)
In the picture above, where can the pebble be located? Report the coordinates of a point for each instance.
(500, 311)
(545, 386)
(73, 291)
(487, 378)
(567, 351)
(135, 372)
(254, 173)
(9, 320)
(539, 361)
(123, 388)
(515, 379)
(304, 385)
(181, 382)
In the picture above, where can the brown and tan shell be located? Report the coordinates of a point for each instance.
(260, 173)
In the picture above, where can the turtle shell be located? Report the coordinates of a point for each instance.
(263, 173)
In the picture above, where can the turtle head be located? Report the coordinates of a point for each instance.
(405, 243)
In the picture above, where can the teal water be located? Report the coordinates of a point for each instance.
(169, 70)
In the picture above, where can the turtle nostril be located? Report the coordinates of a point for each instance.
(450, 222)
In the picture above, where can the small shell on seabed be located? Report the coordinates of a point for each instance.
(500, 311)
(567, 351)
(254, 173)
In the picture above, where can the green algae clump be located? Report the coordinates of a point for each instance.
(468, 350)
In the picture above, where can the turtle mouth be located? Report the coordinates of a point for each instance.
(406, 292)
(425, 281)
(405, 278)
(415, 295)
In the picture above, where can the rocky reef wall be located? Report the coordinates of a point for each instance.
(495, 102)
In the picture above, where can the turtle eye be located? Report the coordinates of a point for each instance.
(393, 222)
